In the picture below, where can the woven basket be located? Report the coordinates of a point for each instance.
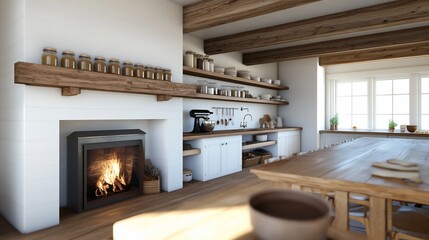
(250, 159)
(151, 186)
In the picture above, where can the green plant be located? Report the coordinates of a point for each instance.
(334, 120)
(392, 124)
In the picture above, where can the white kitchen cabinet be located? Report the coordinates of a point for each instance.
(288, 143)
(219, 156)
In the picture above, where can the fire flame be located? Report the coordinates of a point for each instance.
(110, 176)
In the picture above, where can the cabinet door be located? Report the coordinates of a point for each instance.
(231, 155)
(289, 143)
(212, 160)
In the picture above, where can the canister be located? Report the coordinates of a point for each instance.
(127, 68)
(84, 62)
(188, 58)
(99, 65)
(114, 67)
(68, 61)
(138, 70)
(49, 56)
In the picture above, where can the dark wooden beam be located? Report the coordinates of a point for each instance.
(346, 45)
(209, 13)
(367, 18)
(412, 50)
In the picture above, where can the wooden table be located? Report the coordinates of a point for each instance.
(346, 168)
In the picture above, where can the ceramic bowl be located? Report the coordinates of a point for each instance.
(219, 69)
(411, 128)
(255, 78)
(277, 82)
(265, 96)
(298, 215)
(261, 138)
(266, 80)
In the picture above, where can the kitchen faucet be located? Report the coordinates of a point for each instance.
(244, 124)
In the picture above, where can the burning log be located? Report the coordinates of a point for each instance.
(110, 176)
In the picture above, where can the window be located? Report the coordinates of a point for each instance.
(352, 103)
(424, 103)
(368, 100)
(392, 101)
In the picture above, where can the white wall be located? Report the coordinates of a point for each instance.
(12, 114)
(196, 44)
(305, 79)
(146, 31)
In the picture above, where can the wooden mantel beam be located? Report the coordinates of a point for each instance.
(209, 13)
(343, 46)
(367, 18)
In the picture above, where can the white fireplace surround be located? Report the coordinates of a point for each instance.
(35, 121)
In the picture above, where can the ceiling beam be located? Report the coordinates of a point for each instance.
(346, 45)
(210, 13)
(367, 18)
(412, 50)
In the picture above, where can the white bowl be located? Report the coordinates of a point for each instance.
(262, 138)
(277, 82)
(219, 69)
(265, 96)
(275, 214)
(255, 78)
(266, 80)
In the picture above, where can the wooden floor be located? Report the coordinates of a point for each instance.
(98, 223)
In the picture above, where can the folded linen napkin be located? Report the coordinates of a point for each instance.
(395, 168)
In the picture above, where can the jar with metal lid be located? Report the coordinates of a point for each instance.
(188, 59)
(148, 72)
(138, 70)
(211, 62)
(167, 76)
(49, 56)
(202, 86)
(157, 73)
(114, 67)
(200, 64)
(68, 61)
(99, 65)
(206, 63)
(127, 68)
(84, 62)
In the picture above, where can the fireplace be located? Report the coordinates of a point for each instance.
(104, 167)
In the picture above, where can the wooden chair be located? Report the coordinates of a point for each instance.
(406, 222)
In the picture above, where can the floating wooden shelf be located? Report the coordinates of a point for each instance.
(258, 144)
(190, 152)
(227, 78)
(72, 80)
(237, 99)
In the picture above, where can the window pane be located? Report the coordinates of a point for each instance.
(383, 87)
(345, 121)
(360, 105)
(425, 103)
(425, 123)
(401, 104)
(360, 88)
(401, 86)
(344, 105)
(425, 85)
(344, 88)
(401, 119)
(382, 121)
(360, 121)
(383, 104)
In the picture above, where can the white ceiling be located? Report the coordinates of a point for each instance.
(306, 11)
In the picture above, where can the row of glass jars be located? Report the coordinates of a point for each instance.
(225, 90)
(200, 61)
(49, 57)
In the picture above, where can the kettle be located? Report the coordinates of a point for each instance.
(279, 122)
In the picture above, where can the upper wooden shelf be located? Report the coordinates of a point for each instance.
(227, 78)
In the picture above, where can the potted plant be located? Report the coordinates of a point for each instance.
(334, 122)
(151, 179)
(392, 125)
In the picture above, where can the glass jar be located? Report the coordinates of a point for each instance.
(68, 61)
(157, 74)
(211, 62)
(114, 67)
(127, 69)
(202, 86)
(138, 70)
(49, 57)
(212, 88)
(148, 72)
(167, 76)
(99, 65)
(200, 61)
(84, 62)
(188, 59)
(206, 63)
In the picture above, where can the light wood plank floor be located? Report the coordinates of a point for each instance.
(98, 223)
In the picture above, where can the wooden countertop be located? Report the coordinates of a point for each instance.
(377, 132)
(235, 132)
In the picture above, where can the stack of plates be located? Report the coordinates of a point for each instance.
(244, 74)
(231, 71)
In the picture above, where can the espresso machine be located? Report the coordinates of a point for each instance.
(201, 121)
